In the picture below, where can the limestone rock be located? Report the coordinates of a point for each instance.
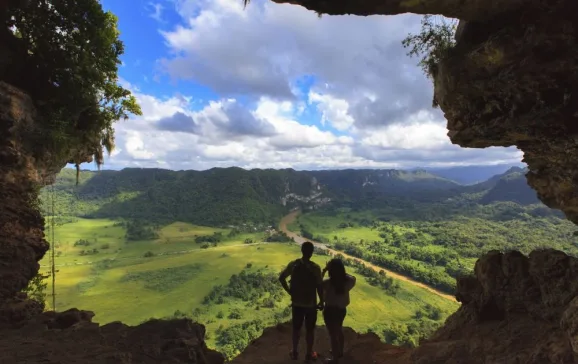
(517, 309)
(512, 81)
(156, 341)
(467, 10)
(22, 242)
(23, 168)
(18, 309)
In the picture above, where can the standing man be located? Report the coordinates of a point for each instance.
(305, 286)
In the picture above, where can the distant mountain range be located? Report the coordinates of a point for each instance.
(468, 175)
(221, 196)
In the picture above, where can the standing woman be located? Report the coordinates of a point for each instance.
(336, 293)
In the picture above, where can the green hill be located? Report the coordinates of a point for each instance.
(511, 186)
(233, 196)
(213, 197)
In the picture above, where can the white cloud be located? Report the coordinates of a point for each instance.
(420, 132)
(262, 50)
(157, 11)
(333, 110)
(369, 105)
(293, 145)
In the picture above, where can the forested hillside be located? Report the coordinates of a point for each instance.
(213, 197)
(511, 186)
(468, 175)
(232, 196)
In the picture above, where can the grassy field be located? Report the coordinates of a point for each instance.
(119, 283)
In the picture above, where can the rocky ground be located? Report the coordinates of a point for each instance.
(70, 337)
(274, 345)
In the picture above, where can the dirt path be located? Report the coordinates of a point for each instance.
(286, 220)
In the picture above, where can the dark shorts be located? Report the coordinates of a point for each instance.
(307, 314)
(334, 315)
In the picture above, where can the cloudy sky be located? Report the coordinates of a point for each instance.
(274, 86)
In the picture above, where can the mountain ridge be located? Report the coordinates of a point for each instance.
(468, 175)
(221, 196)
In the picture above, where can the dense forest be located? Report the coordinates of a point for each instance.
(234, 196)
(412, 222)
(436, 245)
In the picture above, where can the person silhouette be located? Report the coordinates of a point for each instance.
(304, 288)
(336, 296)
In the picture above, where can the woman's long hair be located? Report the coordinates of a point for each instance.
(337, 278)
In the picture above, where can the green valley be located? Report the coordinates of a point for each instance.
(172, 276)
(142, 243)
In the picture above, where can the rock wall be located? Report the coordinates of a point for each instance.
(22, 242)
(468, 10)
(516, 309)
(514, 81)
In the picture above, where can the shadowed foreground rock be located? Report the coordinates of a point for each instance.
(274, 345)
(22, 242)
(70, 337)
(516, 309)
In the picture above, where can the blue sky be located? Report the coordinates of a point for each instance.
(274, 86)
(144, 45)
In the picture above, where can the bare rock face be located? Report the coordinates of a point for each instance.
(514, 81)
(18, 309)
(468, 10)
(516, 309)
(73, 338)
(24, 168)
(22, 242)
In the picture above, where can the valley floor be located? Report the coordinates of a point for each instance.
(290, 218)
(172, 276)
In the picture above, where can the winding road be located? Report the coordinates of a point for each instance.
(288, 219)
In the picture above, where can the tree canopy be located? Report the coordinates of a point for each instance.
(67, 54)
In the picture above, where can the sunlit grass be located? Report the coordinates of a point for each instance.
(107, 291)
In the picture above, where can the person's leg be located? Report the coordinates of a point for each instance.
(310, 322)
(298, 314)
(340, 340)
(328, 316)
(339, 333)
